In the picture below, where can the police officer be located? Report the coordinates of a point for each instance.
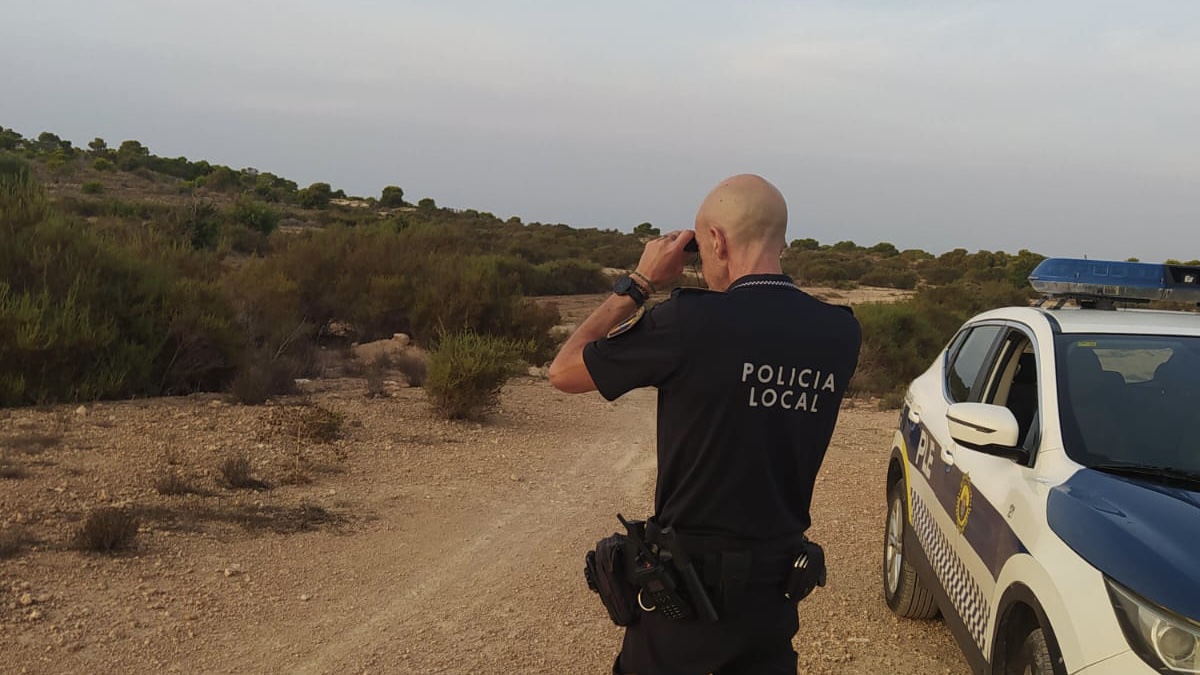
(750, 376)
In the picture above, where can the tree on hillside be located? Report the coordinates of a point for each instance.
(131, 155)
(316, 196)
(99, 147)
(427, 204)
(646, 230)
(10, 140)
(392, 196)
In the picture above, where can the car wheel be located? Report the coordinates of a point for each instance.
(1034, 656)
(902, 588)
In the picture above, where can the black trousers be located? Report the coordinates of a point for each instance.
(753, 637)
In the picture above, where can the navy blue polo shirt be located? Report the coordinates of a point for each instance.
(749, 386)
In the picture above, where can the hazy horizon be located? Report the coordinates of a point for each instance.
(1066, 129)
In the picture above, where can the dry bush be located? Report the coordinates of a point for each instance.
(12, 541)
(10, 469)
(263, 377)
(107, 530)
(237, 474)
(375, 373)
(171, 482)
(413, 367)
(304, 421)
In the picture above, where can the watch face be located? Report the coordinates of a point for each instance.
(622, 286)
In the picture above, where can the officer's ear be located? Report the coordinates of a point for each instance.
(720, 244)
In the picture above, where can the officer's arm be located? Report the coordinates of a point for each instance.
(568, 373)
(661, 262)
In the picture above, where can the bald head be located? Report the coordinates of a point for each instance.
(748, 210)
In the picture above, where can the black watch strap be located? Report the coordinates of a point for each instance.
(627, 286)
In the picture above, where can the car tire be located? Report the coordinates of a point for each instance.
(906, 595)
(1034, 656)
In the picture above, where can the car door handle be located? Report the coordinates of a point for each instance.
(947, 456)
(914, 416)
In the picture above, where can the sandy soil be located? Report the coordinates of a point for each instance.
(409, 545)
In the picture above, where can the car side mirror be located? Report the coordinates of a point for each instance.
(990, 429)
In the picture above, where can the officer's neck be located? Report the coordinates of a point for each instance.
(760, 264)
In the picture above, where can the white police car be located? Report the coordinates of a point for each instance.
(1044, 484)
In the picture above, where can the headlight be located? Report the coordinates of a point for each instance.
(1165, 640)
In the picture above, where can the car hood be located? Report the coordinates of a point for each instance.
(1143, 535)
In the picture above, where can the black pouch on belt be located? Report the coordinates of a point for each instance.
(606, 571)
(808, 572)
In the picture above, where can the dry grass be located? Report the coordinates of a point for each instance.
(11, 470)
(13, 540)
(107, 530)
(172, 482)
(237, 474)
(34, 442)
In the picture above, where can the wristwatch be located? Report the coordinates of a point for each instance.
(627, 286)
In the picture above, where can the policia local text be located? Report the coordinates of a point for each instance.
(788, 387)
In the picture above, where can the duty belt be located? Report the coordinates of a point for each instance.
(727, 565)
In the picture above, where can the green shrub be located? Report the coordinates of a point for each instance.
(255, 215)
(571, 276)
(22, 201)
(92, 187)
(102, 164)
(467, 371)
(901, 340)
(199, 223)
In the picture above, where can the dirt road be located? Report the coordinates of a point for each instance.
(419, 546)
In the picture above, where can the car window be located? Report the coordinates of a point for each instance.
(1130, 399)
(962, 374)
(1014, 385)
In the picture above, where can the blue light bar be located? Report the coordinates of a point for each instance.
(1110, 280)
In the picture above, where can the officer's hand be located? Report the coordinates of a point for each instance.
(662, 259)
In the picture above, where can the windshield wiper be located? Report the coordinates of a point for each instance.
(1148, 470)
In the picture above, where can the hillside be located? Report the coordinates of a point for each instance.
(177, 276)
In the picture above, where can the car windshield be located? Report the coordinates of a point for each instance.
(1131, 400)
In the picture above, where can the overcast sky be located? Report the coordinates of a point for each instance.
(1067, 128)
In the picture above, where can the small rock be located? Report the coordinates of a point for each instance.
(515, 478)
(35, 615)
(305, 597)
(232, 571)
(81, 410)
(25, 600)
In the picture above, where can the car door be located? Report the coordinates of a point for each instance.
(935, 492)
(996, 492)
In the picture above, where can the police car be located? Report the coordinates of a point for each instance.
(1044, 482)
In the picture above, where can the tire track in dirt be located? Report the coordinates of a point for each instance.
(466, 606)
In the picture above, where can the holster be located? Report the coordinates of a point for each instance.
(606, 570)
(808, 572)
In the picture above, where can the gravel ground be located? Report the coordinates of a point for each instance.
(407, 545)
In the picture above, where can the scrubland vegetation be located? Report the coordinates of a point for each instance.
(125, 274)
